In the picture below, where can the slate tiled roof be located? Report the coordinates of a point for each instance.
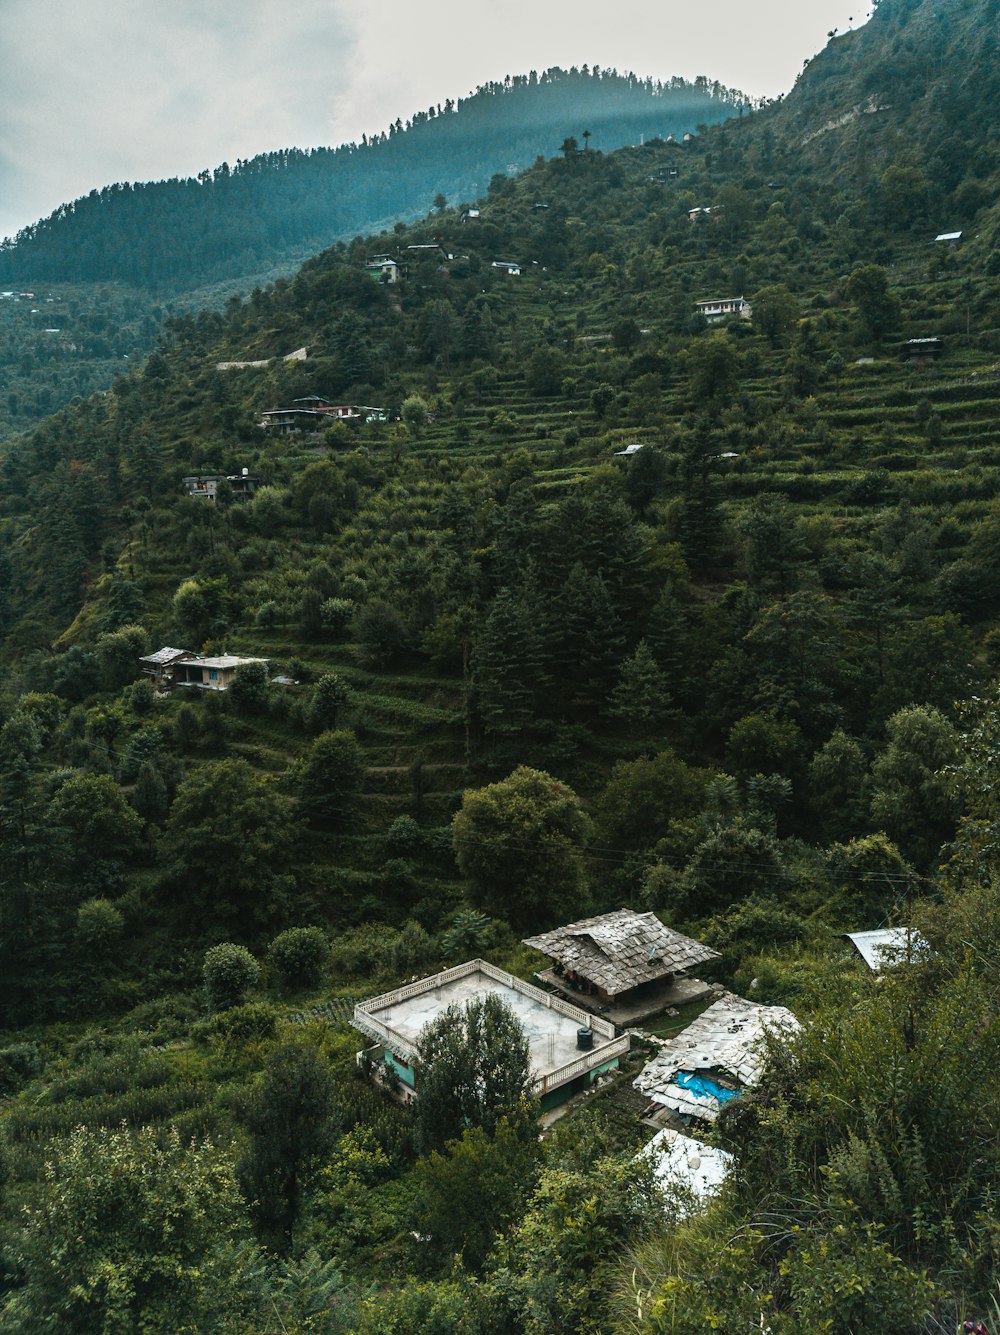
(727, 1038)
(618, 951)
(164, 656)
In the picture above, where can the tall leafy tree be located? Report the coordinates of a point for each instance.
(520, 845)
(230, 840)
(291, 1121)
(474, 1071)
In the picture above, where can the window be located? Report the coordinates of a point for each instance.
(213, 675)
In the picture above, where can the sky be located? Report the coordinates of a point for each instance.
(94, 92)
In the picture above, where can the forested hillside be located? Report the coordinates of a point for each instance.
(145, 250)
(278, 207)
(697, 618)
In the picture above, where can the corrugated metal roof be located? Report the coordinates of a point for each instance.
(682, 1161)
(620, 950)
(886, 946)
(726, 1038)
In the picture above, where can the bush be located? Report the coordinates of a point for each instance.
(98, 924)
(229, 972)
(298, 955)
(19, 1063)
(268, 615)
(248, 693)
(405, 837)
(336, 614)
(244, 1024)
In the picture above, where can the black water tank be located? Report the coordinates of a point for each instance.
(585, 1039)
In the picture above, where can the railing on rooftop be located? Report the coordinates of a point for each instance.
(435, 981)
(562, 1075)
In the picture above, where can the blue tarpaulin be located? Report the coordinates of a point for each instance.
(701, 1084)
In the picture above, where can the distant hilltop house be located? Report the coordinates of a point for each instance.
(630, 451)
(714, 1060)
(724, 308)
(383, 268)
(568, 1049)
(507, 267)
(313, 412)
(701, 214)
(624, 964)
(948, 236)
(169, 667)
(205, 487)
(427, 250)
(470, 215)
(922, 352)
(299, 355)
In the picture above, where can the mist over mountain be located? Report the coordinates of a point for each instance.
(632, 543)
(258, 214)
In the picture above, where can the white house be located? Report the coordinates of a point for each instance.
(507, 267)
(724, 308)
(686, 1167)
(568, 1048)
(888, 946)
(383, 268)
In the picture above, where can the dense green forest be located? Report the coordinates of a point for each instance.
(238, 219)
(118, 261)
(743, 676)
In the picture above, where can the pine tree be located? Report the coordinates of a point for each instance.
(642, 697)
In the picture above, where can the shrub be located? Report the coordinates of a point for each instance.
(244, 1024)
(99, 924)
(298, 955)
(229, 972)
(405, 836)
(336, 614)
(249, 690)
(19, 1063)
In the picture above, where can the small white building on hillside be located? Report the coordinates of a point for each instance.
(724, 308)
(885, 947)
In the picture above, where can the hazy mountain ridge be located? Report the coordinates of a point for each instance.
(735, 589)
(179, 234)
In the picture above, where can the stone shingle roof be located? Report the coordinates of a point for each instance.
(164, 656)
(727, 1038)
(618, 951)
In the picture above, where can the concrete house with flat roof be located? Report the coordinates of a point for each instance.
(209, 674)
(568, 1047)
